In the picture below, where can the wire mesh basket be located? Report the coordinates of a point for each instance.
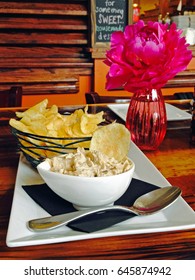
(37, 148)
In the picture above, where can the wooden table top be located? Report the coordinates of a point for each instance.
(175, 159)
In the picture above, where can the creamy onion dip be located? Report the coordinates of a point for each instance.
(88, 164)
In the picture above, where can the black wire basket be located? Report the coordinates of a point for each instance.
(37, 148)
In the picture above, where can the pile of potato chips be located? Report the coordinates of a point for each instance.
(112, 140)
(48, 122)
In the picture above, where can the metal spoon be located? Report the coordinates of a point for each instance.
(146, 204)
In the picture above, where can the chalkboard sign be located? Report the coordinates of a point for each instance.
(108, 16)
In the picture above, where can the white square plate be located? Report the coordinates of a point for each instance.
(173, 113)
(179, 216)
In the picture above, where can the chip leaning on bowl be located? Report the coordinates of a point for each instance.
(44, 132)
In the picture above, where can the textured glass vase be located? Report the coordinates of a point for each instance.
(147, 119)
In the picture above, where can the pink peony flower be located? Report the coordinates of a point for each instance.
(146, 56)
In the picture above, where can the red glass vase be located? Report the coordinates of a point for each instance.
(146, 119)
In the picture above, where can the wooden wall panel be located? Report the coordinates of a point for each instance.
(44, 45)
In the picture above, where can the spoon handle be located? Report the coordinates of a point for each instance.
(52, 222)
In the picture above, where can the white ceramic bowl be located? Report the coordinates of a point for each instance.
(86, 192)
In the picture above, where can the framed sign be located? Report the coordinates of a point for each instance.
(108, 16)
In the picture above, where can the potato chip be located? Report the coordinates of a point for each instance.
(54, 122)
(89, 122)
(18, 125)
(35, 111)
(112, 140)
(51, 111)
